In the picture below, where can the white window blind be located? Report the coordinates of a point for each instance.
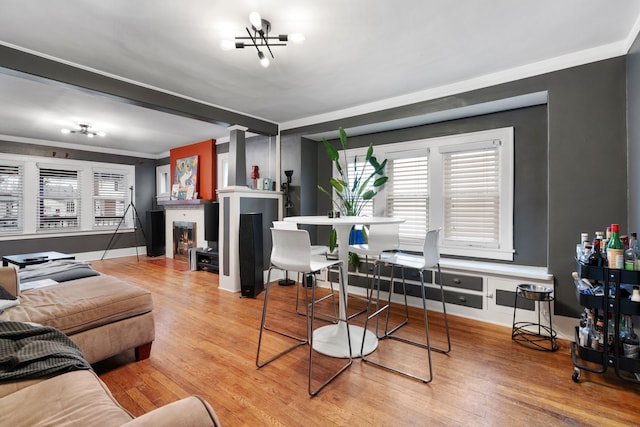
(408, 196)
(472, 195)
(11, 197)
(58, 200)
(109, 198)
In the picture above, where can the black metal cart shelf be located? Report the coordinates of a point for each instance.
(609, 303)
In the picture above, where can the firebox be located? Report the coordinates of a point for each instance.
(184, 237)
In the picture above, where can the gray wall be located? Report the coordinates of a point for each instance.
(570, 165)
(633, 126)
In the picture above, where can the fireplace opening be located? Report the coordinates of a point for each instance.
(184, 238)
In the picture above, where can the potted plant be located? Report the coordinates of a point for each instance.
(351, 197)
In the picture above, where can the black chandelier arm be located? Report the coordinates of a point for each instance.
(261, 43)
(253, 40)
(266, 43)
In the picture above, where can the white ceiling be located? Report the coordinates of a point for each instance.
(359, 56)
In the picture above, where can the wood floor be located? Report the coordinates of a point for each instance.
(206, 343)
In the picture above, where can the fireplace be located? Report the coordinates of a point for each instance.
(184, 237)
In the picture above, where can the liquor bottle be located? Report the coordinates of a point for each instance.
(596, 258)
(605, 241)
(584, 238)
(584, 329)
(631, 254)
(611, 331)
(629, 339)
(615, 250)
(600, 329)
(594, 336)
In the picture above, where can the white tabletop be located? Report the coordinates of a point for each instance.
(343, 220)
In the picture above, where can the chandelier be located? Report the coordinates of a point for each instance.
(84, 129)
(259, 38)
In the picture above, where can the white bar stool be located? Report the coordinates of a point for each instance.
(291, 251)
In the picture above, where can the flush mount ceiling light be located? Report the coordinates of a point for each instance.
(84, 129)
(259, 38)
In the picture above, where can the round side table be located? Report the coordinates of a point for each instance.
(531, 334)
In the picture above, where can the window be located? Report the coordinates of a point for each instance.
(109, 198)
(40, 195)
(11, 190)
(460, 183)
(59, 199)
(472, 194)
(163, 182)
(407, 194)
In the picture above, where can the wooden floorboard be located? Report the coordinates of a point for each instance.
(206, 342)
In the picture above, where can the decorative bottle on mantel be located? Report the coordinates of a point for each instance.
(615, 249)
(255, 174)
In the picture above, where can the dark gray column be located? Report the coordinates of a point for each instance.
(237, 156)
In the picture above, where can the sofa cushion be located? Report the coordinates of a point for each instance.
(81, 304)
(76, 398)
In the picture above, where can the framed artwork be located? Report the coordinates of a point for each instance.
(185, 179)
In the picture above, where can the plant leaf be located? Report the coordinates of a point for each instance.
(378, 182)
(321, 188)
(331, 151)
(343, 138)
(369, 195)
(333, 239)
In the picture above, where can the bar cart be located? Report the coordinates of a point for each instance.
(611, 304)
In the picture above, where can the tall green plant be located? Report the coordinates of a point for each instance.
(352, 197)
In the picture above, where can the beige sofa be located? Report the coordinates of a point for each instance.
(102, 315)
(80, 398)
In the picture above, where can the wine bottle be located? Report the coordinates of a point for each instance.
(596, 258)
(615, 250)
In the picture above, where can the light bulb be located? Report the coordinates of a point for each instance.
(256, 20)
(89, 135)
(296, 37)
(65, 130)
(264, 61)
(227, 45)
(101, 133)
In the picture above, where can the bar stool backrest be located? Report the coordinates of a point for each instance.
(291, 250)
(286, 225)
(383, 237)
(430, 250)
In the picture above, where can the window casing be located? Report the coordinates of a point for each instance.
(59, 204)
(110, 196)
(461, 183)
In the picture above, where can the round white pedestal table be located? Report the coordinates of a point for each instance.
(330, 340)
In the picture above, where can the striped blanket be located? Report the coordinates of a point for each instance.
(28, 351)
